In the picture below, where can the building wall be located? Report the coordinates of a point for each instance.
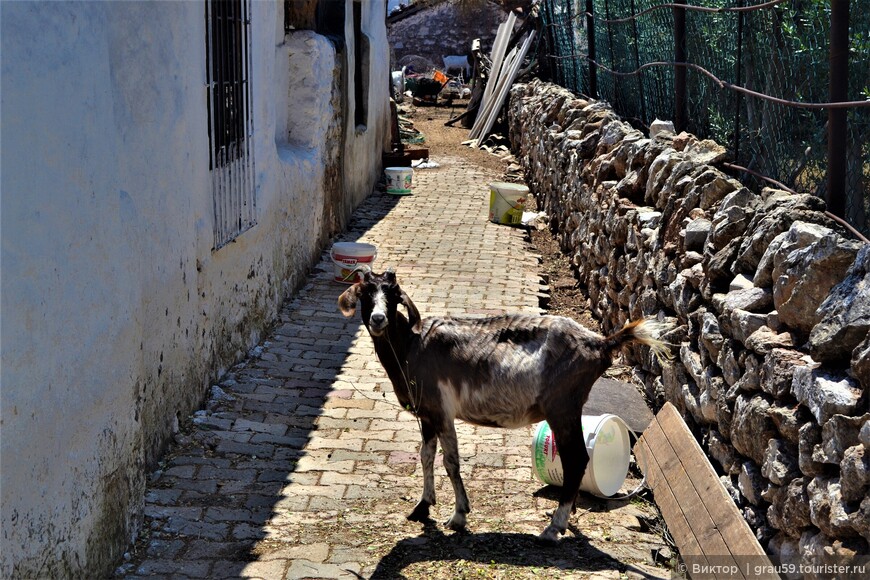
(445, 28)
(365, 144)
(116, 313)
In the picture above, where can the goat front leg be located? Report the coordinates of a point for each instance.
(572, 451)
(450, 446)
(427, 459)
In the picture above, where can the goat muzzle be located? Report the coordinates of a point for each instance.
(377, 323)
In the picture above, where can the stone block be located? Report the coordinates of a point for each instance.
(789, 509)
(723, 452)
(763, 340)
(861, 364)
(838, 433)
(806, 276)
(799, 235)
(740, 282)
(751, 483)
(809, 436)
(711, 337)
(777, 371)
(824, 393)
(752, 428)
(780, 462)
(855, 473)
(696, 235)
(744, 324)
(828, 510)
(820, 551)
(845, 313)
(753, 299)
(788, 419)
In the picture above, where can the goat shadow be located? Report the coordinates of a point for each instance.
(572, 552)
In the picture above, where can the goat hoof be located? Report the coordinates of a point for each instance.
(420, 513)
(549, 536)
(456, 522)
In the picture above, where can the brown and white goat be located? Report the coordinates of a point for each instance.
(504, 371)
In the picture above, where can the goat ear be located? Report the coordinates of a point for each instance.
(413, 314)
(347, 300)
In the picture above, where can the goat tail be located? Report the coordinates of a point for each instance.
(645, 331)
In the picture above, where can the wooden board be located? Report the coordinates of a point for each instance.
(702, 517)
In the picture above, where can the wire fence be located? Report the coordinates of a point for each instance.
(757, 76)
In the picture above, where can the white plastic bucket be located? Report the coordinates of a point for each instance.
(506, 202)
(608, 445)
(347, 257)
(399, 180)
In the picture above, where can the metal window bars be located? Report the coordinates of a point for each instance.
(230, 119)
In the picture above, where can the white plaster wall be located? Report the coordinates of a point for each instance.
(116, 314)
(363, 147)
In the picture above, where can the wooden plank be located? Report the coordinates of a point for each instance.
(505, 85)
(672, 512)
(691, 501)
(735, 531)
(499, 48)
(738, 536)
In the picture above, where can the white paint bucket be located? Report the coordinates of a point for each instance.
(608, 445)
(506, 202)
(349, 257)
(399, 180)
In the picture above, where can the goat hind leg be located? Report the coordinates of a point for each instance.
(572, 451)
(427, 459)
(451, 463)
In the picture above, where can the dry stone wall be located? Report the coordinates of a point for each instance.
(769, 300)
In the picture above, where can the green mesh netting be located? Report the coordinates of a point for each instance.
(779, 50)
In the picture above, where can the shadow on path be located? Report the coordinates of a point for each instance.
(573, 552)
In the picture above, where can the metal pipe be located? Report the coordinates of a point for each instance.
(858, 235)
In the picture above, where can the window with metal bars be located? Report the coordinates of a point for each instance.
(230, 123)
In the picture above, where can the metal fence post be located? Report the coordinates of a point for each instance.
(636, 39)
(590, 45)
(838, 56)
(739, 78)
(679, 70)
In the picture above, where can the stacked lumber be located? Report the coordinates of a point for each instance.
(505, 68)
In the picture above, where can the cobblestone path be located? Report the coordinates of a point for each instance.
(303, 465)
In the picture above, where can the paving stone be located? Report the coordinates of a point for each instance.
(309, 569)
(267, 570)
(175, 568)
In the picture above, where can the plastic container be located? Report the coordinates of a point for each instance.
(348, 257)
(607, 442)
(506, 202)
(400, 180)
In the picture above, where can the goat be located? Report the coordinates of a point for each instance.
(503, 371)
(453, 62)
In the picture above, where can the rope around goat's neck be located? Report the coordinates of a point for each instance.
(415, 405)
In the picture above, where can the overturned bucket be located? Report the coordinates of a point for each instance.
(349, 258)
(400, 180)
(607, 442)
(506, 202)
